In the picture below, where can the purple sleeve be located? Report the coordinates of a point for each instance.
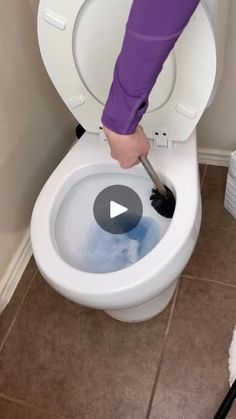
(152, 29)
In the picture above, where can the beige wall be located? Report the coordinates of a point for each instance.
(217, 129)
(35, 126)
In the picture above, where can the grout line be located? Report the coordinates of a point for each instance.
(203, 175)
(163, 347)
(198, 278)
(17, 312)
(173, 307)
(29, 406)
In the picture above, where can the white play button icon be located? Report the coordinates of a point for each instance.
(116, 209)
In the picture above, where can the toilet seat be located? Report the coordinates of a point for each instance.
(79, 42)
(136, 284)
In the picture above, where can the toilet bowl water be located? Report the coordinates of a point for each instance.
(103, 252)
(83, 244)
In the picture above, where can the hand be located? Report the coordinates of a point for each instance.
(127, 148)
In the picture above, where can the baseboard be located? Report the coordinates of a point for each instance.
(214, 156)
(15, 270)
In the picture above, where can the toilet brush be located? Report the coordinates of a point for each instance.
(162, 198)
(227, 403)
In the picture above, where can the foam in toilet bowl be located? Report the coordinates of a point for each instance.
(105, 252)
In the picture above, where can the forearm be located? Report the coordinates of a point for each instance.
(152, 29)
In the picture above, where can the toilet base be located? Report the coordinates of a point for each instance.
(145, 311)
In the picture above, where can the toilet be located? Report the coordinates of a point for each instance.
(79, 42)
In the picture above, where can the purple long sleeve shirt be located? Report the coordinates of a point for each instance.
(152, 30)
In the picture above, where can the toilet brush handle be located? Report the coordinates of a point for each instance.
(153, 175)
(227, 403)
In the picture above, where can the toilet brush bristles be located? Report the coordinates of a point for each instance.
(165, 206)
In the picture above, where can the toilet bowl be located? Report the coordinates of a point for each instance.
(63, 213)
(144, 288)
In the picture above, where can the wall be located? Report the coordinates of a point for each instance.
(217, 128)
(36, 128)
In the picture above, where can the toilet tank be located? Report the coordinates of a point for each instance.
(218, 15)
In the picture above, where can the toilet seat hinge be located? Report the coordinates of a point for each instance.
(161, 138)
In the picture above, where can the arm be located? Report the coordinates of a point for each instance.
(152, 30)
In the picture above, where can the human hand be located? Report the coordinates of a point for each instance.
(127, 149)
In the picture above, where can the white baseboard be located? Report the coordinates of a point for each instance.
(214, 156)
(15, 270)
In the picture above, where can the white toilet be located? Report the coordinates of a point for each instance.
(79, 42)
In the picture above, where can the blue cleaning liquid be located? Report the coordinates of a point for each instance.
(105, 252)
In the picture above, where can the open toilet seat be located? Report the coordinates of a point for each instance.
(79, 42)
(158, 268)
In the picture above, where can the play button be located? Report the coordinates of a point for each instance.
(117, 209)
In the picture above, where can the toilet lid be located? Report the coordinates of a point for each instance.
(80, 41)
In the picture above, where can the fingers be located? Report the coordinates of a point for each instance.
(145, 151)
(129, 164)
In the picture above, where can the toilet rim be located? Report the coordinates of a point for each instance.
(95, 287)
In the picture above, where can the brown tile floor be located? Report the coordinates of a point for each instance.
(60, 360)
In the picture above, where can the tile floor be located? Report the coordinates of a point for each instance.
(60, 360)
